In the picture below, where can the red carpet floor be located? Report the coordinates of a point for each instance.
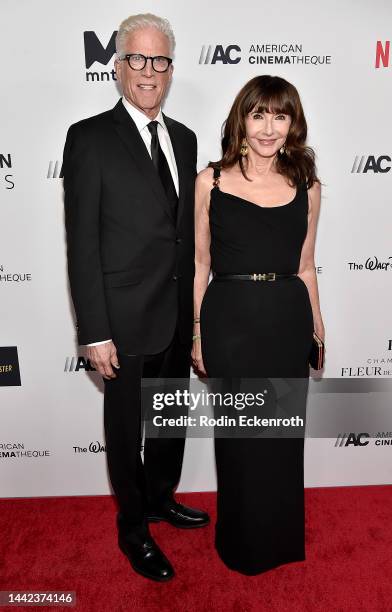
(70, 544)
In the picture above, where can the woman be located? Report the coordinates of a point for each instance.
(256, 213)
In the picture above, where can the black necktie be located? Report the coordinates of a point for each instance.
(160, 162)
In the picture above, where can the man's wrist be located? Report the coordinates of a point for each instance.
(98, 343)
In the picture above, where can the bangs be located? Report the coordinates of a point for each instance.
(274, 102)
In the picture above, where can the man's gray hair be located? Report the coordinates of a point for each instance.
(144, 20)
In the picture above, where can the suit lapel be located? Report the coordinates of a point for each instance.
(130, 136)
(176, 144)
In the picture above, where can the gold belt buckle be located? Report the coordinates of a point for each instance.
(268, 276)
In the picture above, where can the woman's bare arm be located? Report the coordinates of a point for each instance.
(307, 271)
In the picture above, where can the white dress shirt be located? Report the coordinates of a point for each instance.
(141, 120)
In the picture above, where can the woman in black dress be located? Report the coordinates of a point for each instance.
(256, 213)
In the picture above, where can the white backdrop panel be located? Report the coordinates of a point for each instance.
(55, 413)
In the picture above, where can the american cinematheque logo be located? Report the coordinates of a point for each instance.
(78, 363)
(381, 438)
(13, 277)
(9, 367)
(100, 51)
(262, 53)
(54, 170)
(18, 450)
(371, 163)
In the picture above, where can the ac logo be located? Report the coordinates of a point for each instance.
(211, 54)
(54, 170)
(370, 163)
(352, 439)
(75, 364)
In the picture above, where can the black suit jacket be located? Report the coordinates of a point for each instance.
(131, 267)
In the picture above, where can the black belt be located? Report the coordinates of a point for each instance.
(266, 276)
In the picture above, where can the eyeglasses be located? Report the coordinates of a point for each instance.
(137, 61)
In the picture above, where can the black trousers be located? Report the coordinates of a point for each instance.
(139, 486)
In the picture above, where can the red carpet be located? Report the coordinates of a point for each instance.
(70, 544)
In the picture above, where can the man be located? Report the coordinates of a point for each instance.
(129, 211)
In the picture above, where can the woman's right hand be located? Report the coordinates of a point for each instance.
(197, 358)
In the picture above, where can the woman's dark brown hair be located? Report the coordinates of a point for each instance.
(275, 95)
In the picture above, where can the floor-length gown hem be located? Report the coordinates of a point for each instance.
(261, 569)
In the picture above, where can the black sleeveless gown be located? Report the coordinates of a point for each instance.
(244, 324)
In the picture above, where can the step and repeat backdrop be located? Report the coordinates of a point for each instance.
(58, 67)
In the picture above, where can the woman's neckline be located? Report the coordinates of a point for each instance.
(232, 195)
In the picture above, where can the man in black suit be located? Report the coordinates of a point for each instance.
(129, 211)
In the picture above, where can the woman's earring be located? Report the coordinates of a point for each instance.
(244, 147)
(282, 149)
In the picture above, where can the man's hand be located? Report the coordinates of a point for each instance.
(102, 358)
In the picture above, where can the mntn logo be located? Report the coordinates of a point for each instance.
(370, 163)
(95, 51)
(352, 439)
(213, 54)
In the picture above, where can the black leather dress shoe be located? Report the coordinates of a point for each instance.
(179, 515)
(146, 557)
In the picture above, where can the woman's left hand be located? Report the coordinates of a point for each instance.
(320, 331)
